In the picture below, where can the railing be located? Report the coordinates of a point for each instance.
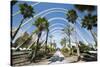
(19, 58)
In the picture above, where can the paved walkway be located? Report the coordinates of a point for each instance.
(71, 59)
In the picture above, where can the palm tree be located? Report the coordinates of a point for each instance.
(89, 21)
(68, 31)
(40, 23)
(53, 44)
(63, 42)
(47, 29)
(51, 36)
(71, 17)
(88, 8)
(27, 12)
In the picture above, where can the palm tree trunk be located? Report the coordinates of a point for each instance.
(70, 41)
(17, 29)
(77, 46)
(51, 44)
(94, 37)
(36, 48)
(46, 41)
(78, 52)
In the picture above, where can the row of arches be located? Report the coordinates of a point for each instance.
(54, 27)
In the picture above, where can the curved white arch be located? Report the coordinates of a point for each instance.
(66, 21)
(44, 34)
(45, 11)
(48, 12)
(55, 25)
(72, 39)
(19, 10)
(52, 12)
(77, 22)
(55, 30)
(50, 9)
(56, 18)
(64, 12)
(42, 16)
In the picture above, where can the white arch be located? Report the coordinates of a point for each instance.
(45, 14)
(45, 11)
(57, 23)
(55, 29)
(42, 16)
(56, 18)
(71, 25)
(52, 12)
(80, 25)
(62, 25)
(50, 9)
(48, 13)
(72, 39)
(66, 21)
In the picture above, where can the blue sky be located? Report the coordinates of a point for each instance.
(57, 20)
